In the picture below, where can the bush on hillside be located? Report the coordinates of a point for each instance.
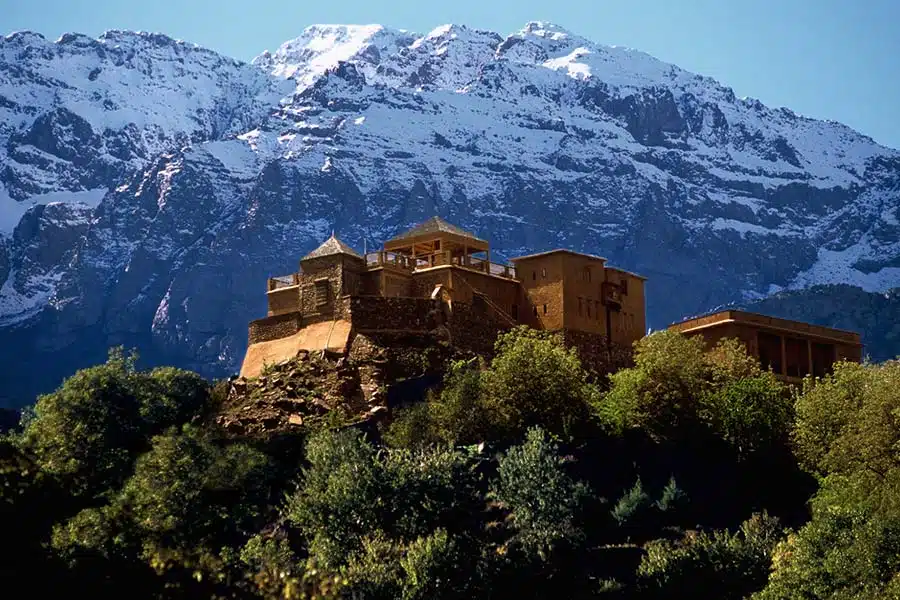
(542, 500)
(533, 380)
(721, 565)
(677, 391)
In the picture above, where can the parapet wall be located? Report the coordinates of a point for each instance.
(275, 327)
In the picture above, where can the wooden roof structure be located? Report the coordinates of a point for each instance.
(436, 235)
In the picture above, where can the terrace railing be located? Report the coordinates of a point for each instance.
(427, 261)
(283, 281)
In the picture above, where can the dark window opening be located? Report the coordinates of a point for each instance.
(534, 275)
(534, 309)
(769, 351)
(589, 302)
(796, 353)
(823, 357)
(580, 302)
(545, 309)
(623, 286)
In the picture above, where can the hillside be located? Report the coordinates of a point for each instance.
(148, 186)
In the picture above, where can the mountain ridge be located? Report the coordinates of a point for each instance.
(149, 187)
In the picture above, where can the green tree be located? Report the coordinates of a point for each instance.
(677, 391)
(534, 380)
(543, 501)
(187, 499)
(89, 431)
(840, 554)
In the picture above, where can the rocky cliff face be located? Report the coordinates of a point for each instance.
(148, 187)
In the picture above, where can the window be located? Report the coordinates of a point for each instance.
(589, 302)
(544, 272)
(580, 302)
(321, 292)
(623, 285)
(769, 351)
(534, 275)
(822, 358)
(796, 357)
(586, 274)
(545, 309)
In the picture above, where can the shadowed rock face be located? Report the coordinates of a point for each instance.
(149, 187)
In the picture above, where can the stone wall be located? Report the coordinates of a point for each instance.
(275, 327)
(595, 354)
(410, 314)
(473, 329)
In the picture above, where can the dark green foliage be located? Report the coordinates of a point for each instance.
(631, 504)
(672, 498)
(839, 554)
(533, 380)
(676, 392)
(847, 432)
(121, 485)
(542, 500)
(723, 565)
(89, 431)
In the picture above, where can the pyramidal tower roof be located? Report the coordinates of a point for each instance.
(330, 247)
(435, 225)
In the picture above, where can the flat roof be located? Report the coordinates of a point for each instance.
(549, 252)
(750, 318)
(618, 270)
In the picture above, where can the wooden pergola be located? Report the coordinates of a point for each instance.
(436, 236)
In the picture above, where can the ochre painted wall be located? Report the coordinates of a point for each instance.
(542, 281)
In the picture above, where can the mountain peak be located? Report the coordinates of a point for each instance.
(321, 47)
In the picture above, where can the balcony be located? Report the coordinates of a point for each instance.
(438, 259)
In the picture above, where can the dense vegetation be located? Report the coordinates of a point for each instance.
(693, 474)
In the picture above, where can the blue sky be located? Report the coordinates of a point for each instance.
(831, 59)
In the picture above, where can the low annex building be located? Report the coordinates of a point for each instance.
(791, 349)
(438, 279)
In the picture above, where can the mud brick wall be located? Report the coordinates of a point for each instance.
(275, 327)
(416, 314)
(594, 353)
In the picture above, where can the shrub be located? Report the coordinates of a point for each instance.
(721, 564)
(542, 500)
(631, 505)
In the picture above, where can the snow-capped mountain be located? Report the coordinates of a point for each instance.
(148, 187)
